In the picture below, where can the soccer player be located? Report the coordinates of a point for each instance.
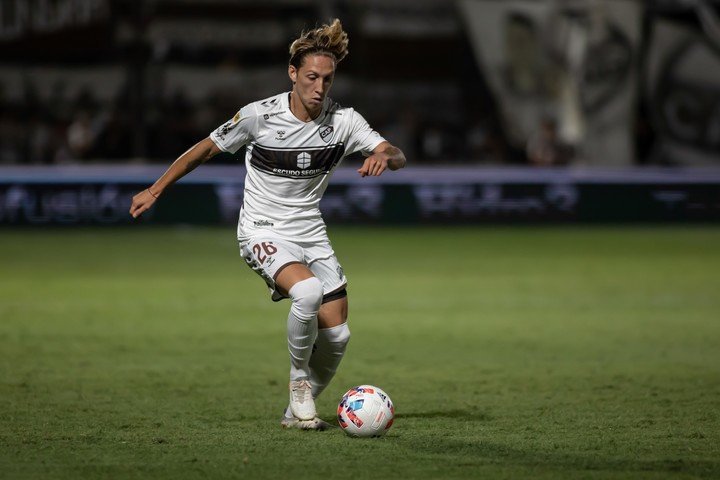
(294, 141)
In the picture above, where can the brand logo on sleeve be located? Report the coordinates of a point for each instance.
(225, 129)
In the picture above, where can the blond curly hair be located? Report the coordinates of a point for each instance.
(330, 40)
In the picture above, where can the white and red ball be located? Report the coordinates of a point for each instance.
(365, 411)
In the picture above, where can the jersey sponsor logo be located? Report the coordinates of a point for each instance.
(326, 132)
(303, 160)
(297, 173)
(306, 163)
(269, 115)
(280, 135)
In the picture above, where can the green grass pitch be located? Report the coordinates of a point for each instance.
(510, 352)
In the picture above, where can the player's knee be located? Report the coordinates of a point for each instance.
(306, 296)
(344, 336)
(339, 336)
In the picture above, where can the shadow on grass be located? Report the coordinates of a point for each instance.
(457, 413)
(480, 453)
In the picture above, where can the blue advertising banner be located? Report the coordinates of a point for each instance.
(101, 195)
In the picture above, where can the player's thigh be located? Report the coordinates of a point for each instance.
(323, 263)
(333, 313)
(270, 258)
(325, 266)
(291, 274)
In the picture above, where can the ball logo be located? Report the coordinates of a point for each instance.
(303, 160)
(365, 411)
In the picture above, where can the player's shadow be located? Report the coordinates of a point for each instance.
(456, 413)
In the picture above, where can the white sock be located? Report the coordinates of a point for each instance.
(306, 297)
(330, 349)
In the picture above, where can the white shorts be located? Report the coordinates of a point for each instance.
(268, 255)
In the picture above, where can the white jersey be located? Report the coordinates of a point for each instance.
(289, 163)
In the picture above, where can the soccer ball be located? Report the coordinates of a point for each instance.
(365, 411)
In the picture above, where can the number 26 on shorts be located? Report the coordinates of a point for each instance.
(263, 250)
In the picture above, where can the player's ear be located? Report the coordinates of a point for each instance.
(292, 73)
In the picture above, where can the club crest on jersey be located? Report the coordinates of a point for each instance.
(303, 160)
(326, 132)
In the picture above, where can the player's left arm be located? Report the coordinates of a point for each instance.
(385, 156)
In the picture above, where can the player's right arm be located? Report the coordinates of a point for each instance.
(198, 154)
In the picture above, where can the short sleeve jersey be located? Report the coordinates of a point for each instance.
(289, 163)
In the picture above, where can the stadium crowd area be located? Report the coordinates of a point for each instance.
(160, 77)
(123, 81)
(80, 128)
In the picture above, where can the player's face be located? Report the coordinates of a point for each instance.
(312, 81)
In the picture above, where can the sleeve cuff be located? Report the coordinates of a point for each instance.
(219, 145)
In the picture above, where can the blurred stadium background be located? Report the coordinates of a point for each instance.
(541, 351)
(576, 110)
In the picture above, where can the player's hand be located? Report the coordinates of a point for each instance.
(141, 202)
(374, 165)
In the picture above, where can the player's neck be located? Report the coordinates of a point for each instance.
(301, 113)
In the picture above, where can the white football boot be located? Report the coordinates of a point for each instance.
(302, 404)
(291, 421)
